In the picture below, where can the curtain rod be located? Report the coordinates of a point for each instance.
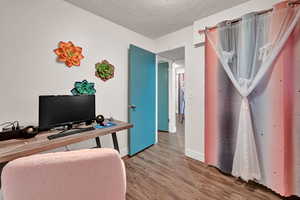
(257, 13)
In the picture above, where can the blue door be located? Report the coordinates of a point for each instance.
(142, 99)
(163, 96)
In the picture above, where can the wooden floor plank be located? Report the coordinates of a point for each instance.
(163, 172)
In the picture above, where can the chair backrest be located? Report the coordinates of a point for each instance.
(96, 174)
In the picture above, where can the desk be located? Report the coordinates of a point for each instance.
(16, 148)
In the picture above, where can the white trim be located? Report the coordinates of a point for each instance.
(124, 151)
(172, 115)
(195, 155)
(172, 100)
(156, 98)
(172, 129)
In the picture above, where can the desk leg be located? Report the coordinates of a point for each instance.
(1, 168)
(115, 141)
(98, 142)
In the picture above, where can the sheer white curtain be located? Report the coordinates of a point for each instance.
(246, 50)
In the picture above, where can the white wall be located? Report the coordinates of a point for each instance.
(194, 69)
(31, 29)
(172, 97)
(180, 70)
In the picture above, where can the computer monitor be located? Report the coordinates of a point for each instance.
(55, 111)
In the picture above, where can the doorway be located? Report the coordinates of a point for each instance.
(174, 92)
(156, 96)
(163, 96)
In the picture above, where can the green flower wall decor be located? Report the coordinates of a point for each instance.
(83, 87)
(104, 70)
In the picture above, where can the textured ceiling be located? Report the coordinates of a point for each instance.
(154, 18)
(174, 54)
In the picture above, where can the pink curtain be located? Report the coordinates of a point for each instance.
(275, 107)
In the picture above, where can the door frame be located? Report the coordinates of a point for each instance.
(161, 96)
(171, 73)
(172, 82)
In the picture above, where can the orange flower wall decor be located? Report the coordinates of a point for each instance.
(68, 53)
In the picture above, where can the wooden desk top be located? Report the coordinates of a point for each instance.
(16, 148)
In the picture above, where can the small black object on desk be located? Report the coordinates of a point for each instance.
(100, 119)
(19, 133)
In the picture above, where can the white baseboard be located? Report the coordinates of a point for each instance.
(172, 129)
(124, 151)
(195, 155)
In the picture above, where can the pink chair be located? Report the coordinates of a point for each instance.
(95, 174)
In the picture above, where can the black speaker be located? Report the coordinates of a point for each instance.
(100, 120)
(87, 123)
(29, 132)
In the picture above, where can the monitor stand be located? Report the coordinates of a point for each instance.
(64, 128)
(69, 126)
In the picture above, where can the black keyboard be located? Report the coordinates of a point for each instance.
(69, 132)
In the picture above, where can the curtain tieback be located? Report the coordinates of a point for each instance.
(245, 104)
(244, 85)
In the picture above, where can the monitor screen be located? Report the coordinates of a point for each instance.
(57, 111)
